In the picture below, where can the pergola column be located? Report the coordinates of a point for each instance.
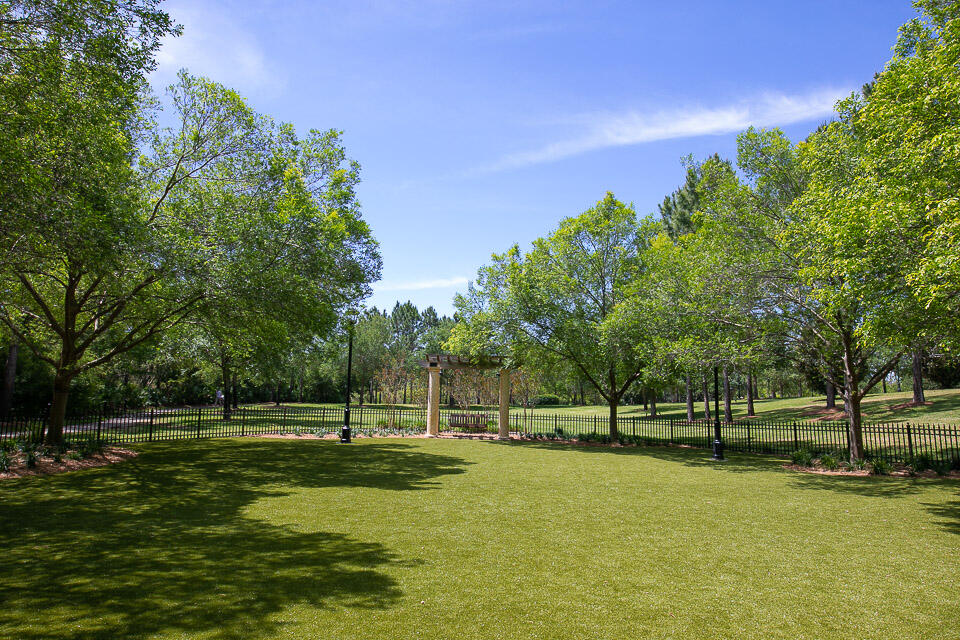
(433, 402)
(504, 422)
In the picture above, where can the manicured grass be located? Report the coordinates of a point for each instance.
(467, 539)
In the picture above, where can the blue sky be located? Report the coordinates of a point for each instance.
(483, 123)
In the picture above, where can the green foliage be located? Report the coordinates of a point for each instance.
(829, 461)
(562, 298)
(802, 457)
(922, 462)
(5, 460)
(859, 464)
(880, 467)
(546, 400)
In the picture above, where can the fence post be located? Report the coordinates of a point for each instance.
(910, 441)
(671, 432)
(150, 431)
(283, 418)
(594, 424)
(796, 437)
(199, 410)
(242, 431)
(556, 419)
(99, 423)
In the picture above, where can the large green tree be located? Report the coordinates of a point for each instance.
(562, 297)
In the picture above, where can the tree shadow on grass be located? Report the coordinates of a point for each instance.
(160, 544)
(949, 512)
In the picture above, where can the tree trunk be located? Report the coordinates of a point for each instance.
(690, 416)
(706, 399)
(884, 383)
(645, 400)
(233, 392)
(918, 396)
(756, 389)
(614, 434)
(227, 392)
(58, 410)
(831, 395)
(851, 404)
(851, 398)
(653, 404)
(9, 379)
(750, 383)
(727, 409)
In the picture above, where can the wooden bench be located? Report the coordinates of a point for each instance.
(469, 422)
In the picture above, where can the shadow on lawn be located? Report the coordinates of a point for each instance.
(949, 511)
(160, 543)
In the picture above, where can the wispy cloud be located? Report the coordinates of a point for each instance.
(418, 285)
(217, 45)
(605, 130)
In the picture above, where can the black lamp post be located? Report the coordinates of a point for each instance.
(717, 438)
(345, 430)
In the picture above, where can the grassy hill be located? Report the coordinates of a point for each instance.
(942, 406)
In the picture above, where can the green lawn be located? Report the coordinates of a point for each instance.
(467, 539)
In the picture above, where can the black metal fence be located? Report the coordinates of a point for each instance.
(897, 442)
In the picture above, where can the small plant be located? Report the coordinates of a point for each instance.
(922, 462)
(4, 460)
(802, 458)
(880, 467)
(827, 461)
(941, 468)
(31, 458)
(857, 465)
(75, 455)
(57, 456)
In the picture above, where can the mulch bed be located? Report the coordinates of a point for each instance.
(899, 472)
(46, 466)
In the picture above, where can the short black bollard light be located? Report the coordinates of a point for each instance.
(717, 436)
(345, 429)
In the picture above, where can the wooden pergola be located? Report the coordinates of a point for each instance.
(435, 363)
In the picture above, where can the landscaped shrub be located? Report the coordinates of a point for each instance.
(4, 460)
(30, 456)
(941, 468)
(74, 455)
(546, 400)
(802, 458)
(880, 467)
(827, 461)
(857, 465)
(922, 462)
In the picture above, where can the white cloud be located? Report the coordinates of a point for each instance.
(605, 130)
(216, 45)
(418, 285)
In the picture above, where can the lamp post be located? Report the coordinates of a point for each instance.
(345, 430)
(717, 438)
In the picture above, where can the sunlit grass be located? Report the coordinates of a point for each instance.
(467, 539)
